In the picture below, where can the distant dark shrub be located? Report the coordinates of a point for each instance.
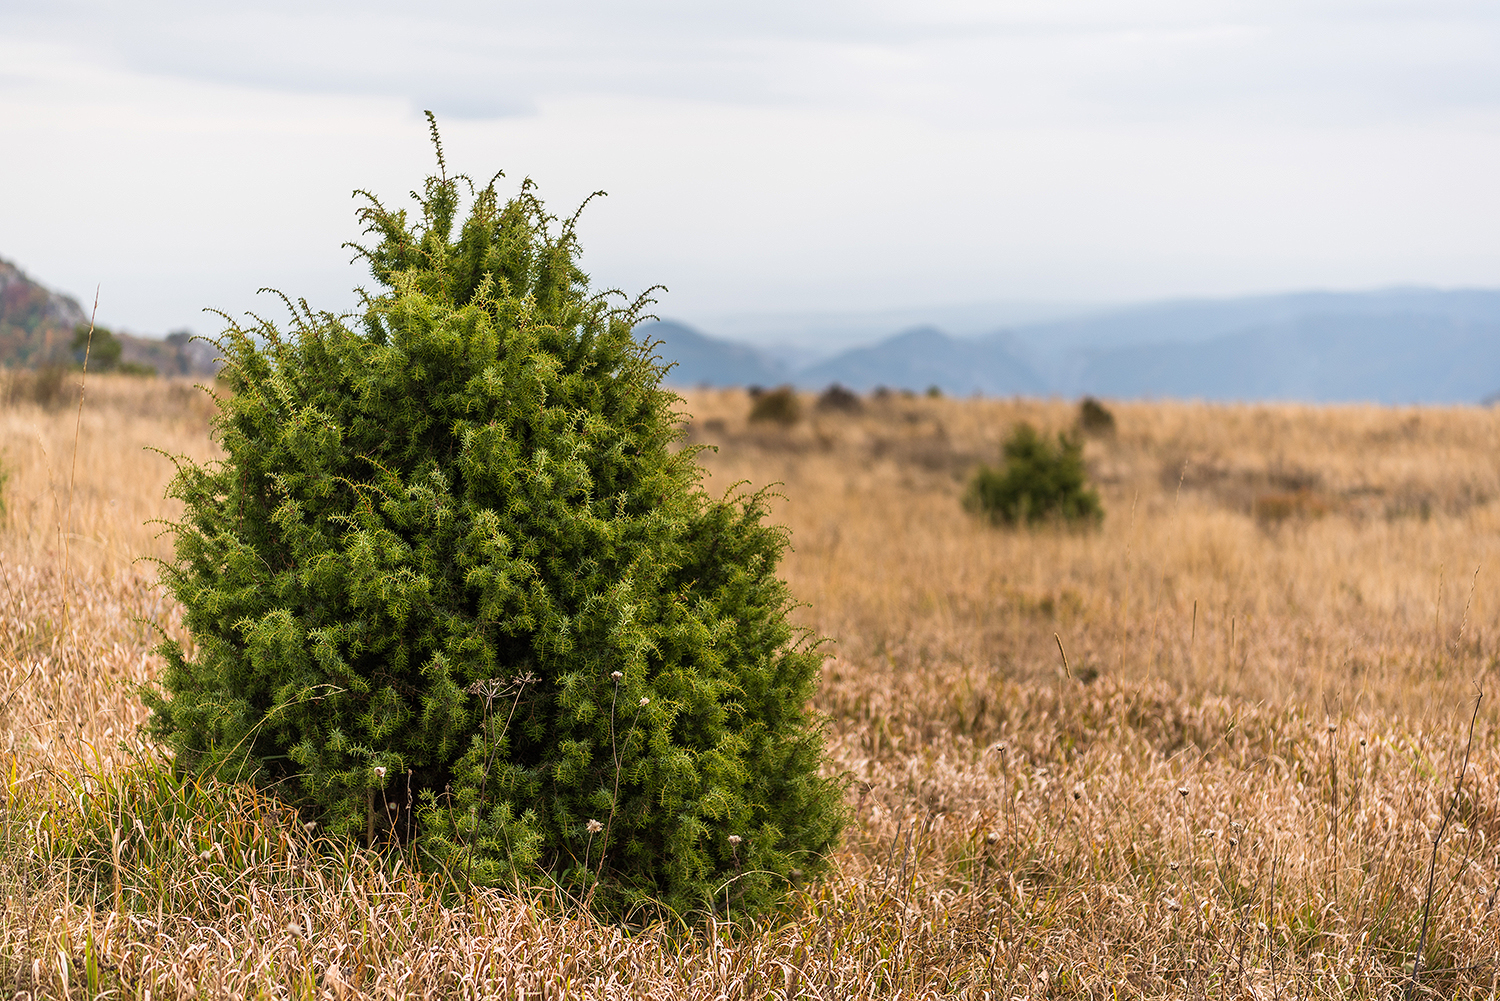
(1094, 418)
(935, 392)
(777, 406)
(836, 397)
(1038, 481)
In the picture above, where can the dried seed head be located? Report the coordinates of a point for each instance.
(734, 840)
(380, 772)
(617, 675)
(645, 702)
(1182, 791)
(1173, 866)
(309, 826)
(1333, 727)
(1173, 905)
(294, 928)
(594, 827)
(992, 837)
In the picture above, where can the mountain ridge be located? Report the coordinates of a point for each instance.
(1393, 345)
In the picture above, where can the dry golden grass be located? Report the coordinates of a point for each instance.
(1273, 644)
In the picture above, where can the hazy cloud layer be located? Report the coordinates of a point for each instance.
(769, 156)
(1142, 61)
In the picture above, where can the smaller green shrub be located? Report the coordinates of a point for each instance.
(776, 406)
(102, 351)
(1038, 481)
(99, 346)
(1095, 419)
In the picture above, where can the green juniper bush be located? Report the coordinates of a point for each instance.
(454, 585)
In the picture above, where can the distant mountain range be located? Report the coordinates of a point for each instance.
(1389, 346)
(1402, 345)
(700, 360)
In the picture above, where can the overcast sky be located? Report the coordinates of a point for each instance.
(762, 158)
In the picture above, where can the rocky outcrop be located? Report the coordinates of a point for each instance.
(36, 324)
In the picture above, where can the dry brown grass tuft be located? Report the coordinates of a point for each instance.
(1232, 790)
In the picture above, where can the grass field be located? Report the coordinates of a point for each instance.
(1245, 782)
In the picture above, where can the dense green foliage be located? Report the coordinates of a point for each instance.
(454, 585)
(101, 350)
(99, 346)
(1038, 481)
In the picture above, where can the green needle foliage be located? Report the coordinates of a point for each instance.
(1038, 481)
(453, 585)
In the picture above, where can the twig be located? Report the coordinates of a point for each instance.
(614, 795)
(1464, 622)
(1271, 926)
(73, 475)
(1416, 964)
(1333, 805)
